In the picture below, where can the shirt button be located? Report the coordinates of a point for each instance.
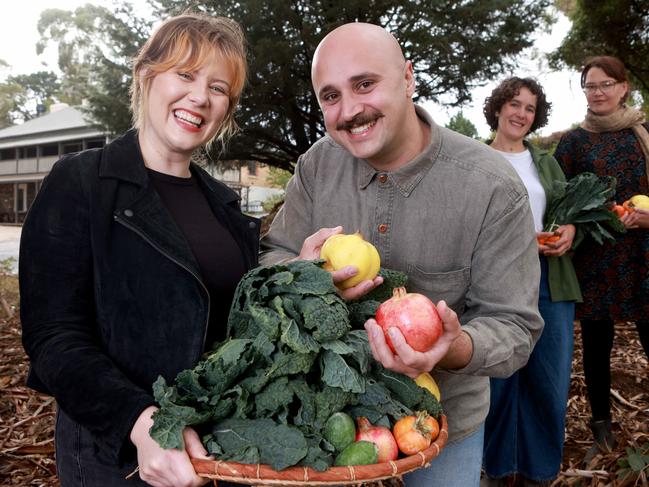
(252, 225)
(383, 228)
(128, 213)
(383, 178)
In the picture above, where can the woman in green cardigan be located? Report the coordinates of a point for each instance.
(524, 431)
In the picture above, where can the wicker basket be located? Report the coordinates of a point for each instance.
(263, 475)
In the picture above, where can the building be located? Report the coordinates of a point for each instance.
(28, 152)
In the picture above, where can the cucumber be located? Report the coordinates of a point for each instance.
(358, 453)
(339, 430)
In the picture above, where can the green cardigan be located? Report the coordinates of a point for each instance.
(562, 278)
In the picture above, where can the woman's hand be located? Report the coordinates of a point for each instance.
(166, 468)
(564, 244)
(311, 251)
(411, 362)
(638, 218)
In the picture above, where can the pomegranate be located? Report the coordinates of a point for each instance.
(379, 435)
(415, 315)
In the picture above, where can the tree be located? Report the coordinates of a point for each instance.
(614, 27)
(95, 46)
(463, 125)
(21, 94)
(454, 45)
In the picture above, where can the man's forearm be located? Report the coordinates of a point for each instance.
(459, 354)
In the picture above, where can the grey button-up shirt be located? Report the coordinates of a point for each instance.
(457, 220)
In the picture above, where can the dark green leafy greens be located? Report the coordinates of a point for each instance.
(583, 202)
(292, 360)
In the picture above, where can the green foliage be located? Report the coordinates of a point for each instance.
(289, 363)
(270, 203)
(612, 27)
(462, 125)
(454, 46)
(260, 441)
(360, 311)
(634, 466)
(279, 177)
(20, 94)
(391, 280)
(95, 46)
(583, 201)
(7, 265)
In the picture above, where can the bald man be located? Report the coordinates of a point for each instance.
(438, 206)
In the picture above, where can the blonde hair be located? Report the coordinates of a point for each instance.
(186, 42)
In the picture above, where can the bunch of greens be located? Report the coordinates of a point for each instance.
(292, 360)
(583, 201)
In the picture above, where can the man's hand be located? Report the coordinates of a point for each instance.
(166, 468)
(313, 244)
(311, 251)
(452, 350)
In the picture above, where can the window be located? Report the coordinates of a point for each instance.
(72, 147)
(95, 143)
(252, 168)
(21, 197)
(29, 152)
(50, 150)
(7, 154)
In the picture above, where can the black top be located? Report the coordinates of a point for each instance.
(217, 253)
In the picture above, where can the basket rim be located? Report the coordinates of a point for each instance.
(258, 474)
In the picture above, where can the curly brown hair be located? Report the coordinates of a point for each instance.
(506, 91)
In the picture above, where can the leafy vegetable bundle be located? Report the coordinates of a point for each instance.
(292, 360)
(583, 201)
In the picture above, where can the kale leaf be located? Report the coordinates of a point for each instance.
(290, 361)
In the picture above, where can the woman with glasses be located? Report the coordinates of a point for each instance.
(614, 277)
(524, 430)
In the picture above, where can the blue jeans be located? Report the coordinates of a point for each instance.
(524, 431)
(457, 465)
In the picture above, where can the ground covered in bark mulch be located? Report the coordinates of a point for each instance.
(27, 418)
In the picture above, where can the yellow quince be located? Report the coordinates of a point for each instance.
(342, 250)
(426, 381)
(640, 201)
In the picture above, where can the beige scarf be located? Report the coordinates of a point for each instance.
(625, 117)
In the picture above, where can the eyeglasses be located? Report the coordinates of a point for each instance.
(605, 87)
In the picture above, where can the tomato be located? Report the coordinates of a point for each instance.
(415, 433)
(618, 210)
(414, 315)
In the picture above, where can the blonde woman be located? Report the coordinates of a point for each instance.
(129, 260)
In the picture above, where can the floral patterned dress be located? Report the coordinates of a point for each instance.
(614, 277)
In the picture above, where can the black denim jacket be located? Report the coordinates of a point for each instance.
(111, 295)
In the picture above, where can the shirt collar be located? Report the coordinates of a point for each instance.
(407, 177)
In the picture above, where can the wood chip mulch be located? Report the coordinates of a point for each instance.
(27, 418)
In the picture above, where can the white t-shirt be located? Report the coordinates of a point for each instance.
(524, 165)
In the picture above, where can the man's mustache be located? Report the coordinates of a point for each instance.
(362, 118)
